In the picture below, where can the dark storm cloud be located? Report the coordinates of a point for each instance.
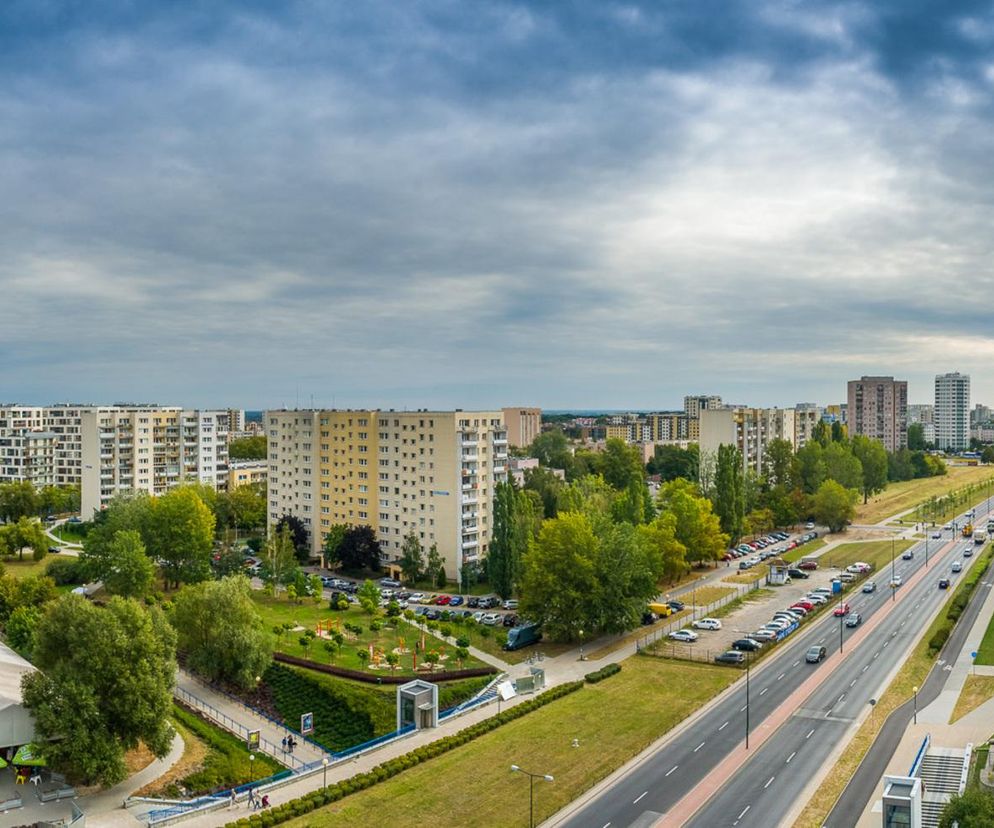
(470, 203)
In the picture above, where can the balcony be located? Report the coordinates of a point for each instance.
(500, 469)
(500, 441)
(470, 543)
(469, 498)
(470, 528)
(470, 457)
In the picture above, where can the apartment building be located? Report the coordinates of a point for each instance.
(431, 472)
(925, 415)
(247, 473)
(878, 409)
(523, 425)
(748, 429)
(693, 405)
(128, 449)
(952, 411)
(806, 417)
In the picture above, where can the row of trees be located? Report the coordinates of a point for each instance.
(22, 499)
(24, 533)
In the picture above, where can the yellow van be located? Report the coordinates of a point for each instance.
(662, 610)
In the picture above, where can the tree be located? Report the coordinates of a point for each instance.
(974, 808)
(842, 466)
(242, 508)
(839, 432)
(124, 513)
(129, 572)
(759, 521)
(31, 591)
(278, 566)
(221, 631)
(628, 571)
(360, 549)
(26, 533)
(435, 565)
(671, 462)
(248, 448)
(900, 465)
(916, 437)
(778, 463)
(89, 700)
(332, 543)
(729, 500)
(298, 535)
(412, 559)
(696, 527)
(834, 505)
(547, 484)
(987, 454)
(559, 580)
(19, 629)
(179, 534)
(369, 597)
(17, 500)
(502, 554)
(821, 434)
(661, 536)
(809, 466)
(634, 504)
(873, 458)
(622, 464)
(551, 448)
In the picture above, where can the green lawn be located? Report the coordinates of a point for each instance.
(875, 553)
(985, 652)
(68, 533)
(898, 497)
(25, 568)
(804, 550)
(473, 784)
(307, 614)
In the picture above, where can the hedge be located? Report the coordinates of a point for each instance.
(605, 671)
(392, 767)
(370, 678)
(959, 603)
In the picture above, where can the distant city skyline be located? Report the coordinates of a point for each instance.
(415, 204)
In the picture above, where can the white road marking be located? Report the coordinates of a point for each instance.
(636, 800)
(885, 644)
(671, 770)
(698, 747)
(796, 663)
(763, 690)
(781, 676)
(865, 668)
(821, 640)
(809, 733)
(876, 653)
(841, 698)
(768, 782)
(852, 683)
(746, 808)
(723, 726)
(791, 756)
(741, 710)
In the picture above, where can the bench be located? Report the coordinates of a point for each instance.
(11, 802)
(51, 794)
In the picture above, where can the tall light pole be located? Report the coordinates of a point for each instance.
(893, 584)
(916, 703)
(926, 548)
(531, 790)
(747, 701)
(581, 645)
(324, 769)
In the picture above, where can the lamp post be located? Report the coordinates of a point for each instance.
(747, 701)
(893, 585)
(915, 690)
(581, 644)
(324, 771)
(531, 790)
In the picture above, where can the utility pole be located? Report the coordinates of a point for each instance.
(747, 701)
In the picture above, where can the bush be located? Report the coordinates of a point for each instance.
(65, 571)
(599, 675)
(446, 631)
(937, 641)
(462, 641)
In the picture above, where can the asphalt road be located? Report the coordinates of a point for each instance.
(767, 787)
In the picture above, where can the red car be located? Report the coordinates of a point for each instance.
(804, 605)
(808, 565)
(841, 610)
(443, 600)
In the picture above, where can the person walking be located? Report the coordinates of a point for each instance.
(233, 802)
(251, 798)
(265, 800)
(284, 744)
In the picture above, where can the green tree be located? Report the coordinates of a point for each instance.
(671, 462)
(696, 527)
(900, 465)
(248, 448)
(129, 572)
(504, 538)
(278, 566)
(987, 454)
(412, 559)
(591, 495)
(778, 463)
(559, 580)
(123, 514)
(842, 466)
(435, 567)
(180, 535)
(809, 466)
(221, 631)
(634, 504)
(873, 458)
(19, 629)
(298, 535)
(916, 437)
(628, 571)
(834, 505)
(89, 700)
(243, 508)
(17, 500)
(822, 434)
(360, 549)
(548, 485)
(31, 591)
(759, 521)
(551, 448)
(25, 533)
(660, 535)
(974, 808)
(369, 597)
(839, 432)
(729, 496)
(332, 543)
(622, 464)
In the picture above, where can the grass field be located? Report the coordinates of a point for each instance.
(473, 785)
(804, 550)
(976, 690)
(22, 569)
(875, 553)
(898, 497)
(912, 674)
(985, 652)
(744, 578)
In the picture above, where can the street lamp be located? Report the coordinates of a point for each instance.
(893, 583)
(531, 790)
(915, 690)
(747, 701)
(324, 769)
(581, 644)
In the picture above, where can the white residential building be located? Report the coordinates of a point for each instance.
(748, 429)
(952, 411)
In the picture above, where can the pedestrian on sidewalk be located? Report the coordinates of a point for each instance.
(251, 799)
(265, 800)
(284, 744)
(233, 803)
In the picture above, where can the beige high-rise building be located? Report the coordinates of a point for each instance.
(693, 405)
(748, 429)
(806, 417)
(523, 425)
(428, 472)
(129, 449)
(878, 408)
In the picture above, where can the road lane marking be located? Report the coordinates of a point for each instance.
(852, 683)
(809, 733)
(768, 782)
(791, 757)
(841, 698)
(865, 668)
(742, 709)
(698, 747)
(821, 640)
(723, 726)
(763, 690)
(796, 663)
(781, 676)
(671, 770)
(885, 644)
(636, 800)
(876, 653)
(746, 808)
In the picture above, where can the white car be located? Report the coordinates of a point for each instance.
(859, 567)
(491, 619)
(809, 525)
(416, 598)
(763, 635)
(957, 566)
(896, 581)
(816, 598)
(687, 636)
(707, 624)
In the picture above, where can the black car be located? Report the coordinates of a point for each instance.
(797, 573)
(55, 550)
(676, 606)
(648, 618)
(433, 614)
(943, 583)
(473, 602)
(747, 645)
(510, 620)
(907, 556)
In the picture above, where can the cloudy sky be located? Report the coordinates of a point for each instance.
(472, 204)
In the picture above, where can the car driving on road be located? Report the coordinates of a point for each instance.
(842, 609)
(814, 654)
(870, 586)
(854, 619)
(908, 555)
(943, 583)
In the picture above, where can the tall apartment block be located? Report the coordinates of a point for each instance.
(693, 405)
(806, 417)
(952, 411)
(748, 429)
(878, 409)
(523, 425)
(924, 414)
(430, 472)
(130, 449)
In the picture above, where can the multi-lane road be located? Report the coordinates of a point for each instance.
(768, 786)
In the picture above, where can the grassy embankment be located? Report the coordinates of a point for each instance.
(473, 784)
(907, 494)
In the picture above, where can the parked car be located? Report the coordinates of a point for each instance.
(730, 657)
(707, 624)
(968, 552)
(510, 620)
(858, 568)
(389, 582)
(748, 645)
(808, 565)
(763, 635)
(870, 586)
(473, 601)
(416, 598)
(676, 606)
(943, 583)
(814, 654)
(854, 619)
(433, 614)
(846, 577)
(816, 598)
(809, 525)
(457, 600)
(491, 619)
(842, 609)
(807, 606)
(797, 573)
(510, 604)
(686, 636)
(477, 616)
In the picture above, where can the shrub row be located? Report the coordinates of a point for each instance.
(360, 782)
(605, 671)
(372, 678)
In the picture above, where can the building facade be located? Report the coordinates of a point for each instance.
(130, 449)
(806, 417)
(694, 404)
(428, 472)
(247, 473)
(923, 414)
(750, 430)
(952, 411)
(878, 409)
(523, 425)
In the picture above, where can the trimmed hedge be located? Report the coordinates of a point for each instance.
(599, 675)
(370, 678)
(338, 790)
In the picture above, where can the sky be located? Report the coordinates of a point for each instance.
(476, 204)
